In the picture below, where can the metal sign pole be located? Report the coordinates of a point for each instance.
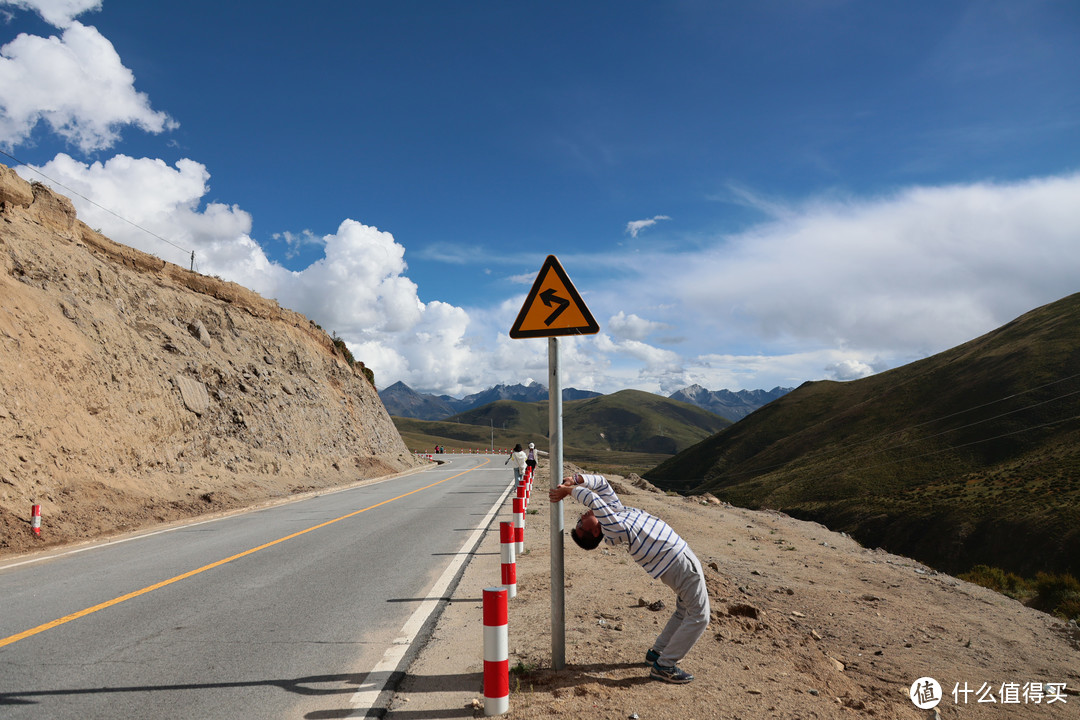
(558, 599)
(552, 308)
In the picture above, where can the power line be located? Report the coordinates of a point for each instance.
(822, 455)
(973, 442)
(101, 207)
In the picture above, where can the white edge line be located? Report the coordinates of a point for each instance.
(367, 698)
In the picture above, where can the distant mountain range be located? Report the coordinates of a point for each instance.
(402, 401)
(727, 404)
(650, 427)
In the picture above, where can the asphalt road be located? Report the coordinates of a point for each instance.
(303, 610)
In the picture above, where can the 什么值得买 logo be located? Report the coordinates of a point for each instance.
(925, 693)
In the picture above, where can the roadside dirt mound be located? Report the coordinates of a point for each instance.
(134, 392)
(806, 623)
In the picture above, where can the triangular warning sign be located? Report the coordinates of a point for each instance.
(553, 307)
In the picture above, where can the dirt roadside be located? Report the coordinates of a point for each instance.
(806, 623)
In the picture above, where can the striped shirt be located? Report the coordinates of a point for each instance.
(651, 541)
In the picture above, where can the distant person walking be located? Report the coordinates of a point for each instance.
(519, 458)
(530, 457)
(659, 551)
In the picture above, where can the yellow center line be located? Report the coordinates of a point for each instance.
(191, 573)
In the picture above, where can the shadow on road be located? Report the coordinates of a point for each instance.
(343, 685)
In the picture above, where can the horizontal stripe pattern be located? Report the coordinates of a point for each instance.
(652, 543)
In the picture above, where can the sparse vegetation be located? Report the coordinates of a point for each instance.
(343, 349)
(1057, 594)
(522, 669)
(353, 362)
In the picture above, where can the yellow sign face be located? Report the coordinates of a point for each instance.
(553, 307)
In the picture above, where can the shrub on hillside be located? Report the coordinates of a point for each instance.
(353, 362)
(1055, 594)
(1058, 594)
(996, 579)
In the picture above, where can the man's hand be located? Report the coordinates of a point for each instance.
(561, 491)
(557, 493)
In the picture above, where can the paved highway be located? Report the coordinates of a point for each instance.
(303, 610)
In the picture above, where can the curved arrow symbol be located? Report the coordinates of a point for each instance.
(549, 297)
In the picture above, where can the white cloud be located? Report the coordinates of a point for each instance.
(58, 13)
(849, 370)
(451, 253)
(358, 289)
(296, 241)
(635, 226)
(134, 197)
(897, 277)
(76, 85)
(632, 327)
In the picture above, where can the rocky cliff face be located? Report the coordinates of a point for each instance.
(133, 391)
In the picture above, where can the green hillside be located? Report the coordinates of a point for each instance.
(629, 429)
(968, 457)
(627, 421)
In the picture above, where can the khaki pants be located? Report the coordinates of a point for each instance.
(691, 615)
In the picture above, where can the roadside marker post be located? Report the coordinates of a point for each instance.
(35, 519)
(553, 308)
(509, 562)
(519, 524)
(496, 652)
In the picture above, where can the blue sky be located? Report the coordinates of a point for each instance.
(746, 194)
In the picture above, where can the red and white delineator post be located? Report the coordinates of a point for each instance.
(496, 652)
(523, 494)
(519, 524)
(35, 519)
(509, 564)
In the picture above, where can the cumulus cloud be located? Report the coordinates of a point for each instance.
(152, 207)
(635, 226)
(76, 85)
(849, 370)
(358, 289)
(359, 285)
(632, 327)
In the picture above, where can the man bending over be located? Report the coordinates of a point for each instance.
(659, 551)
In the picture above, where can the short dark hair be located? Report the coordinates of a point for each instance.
(588, 542)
